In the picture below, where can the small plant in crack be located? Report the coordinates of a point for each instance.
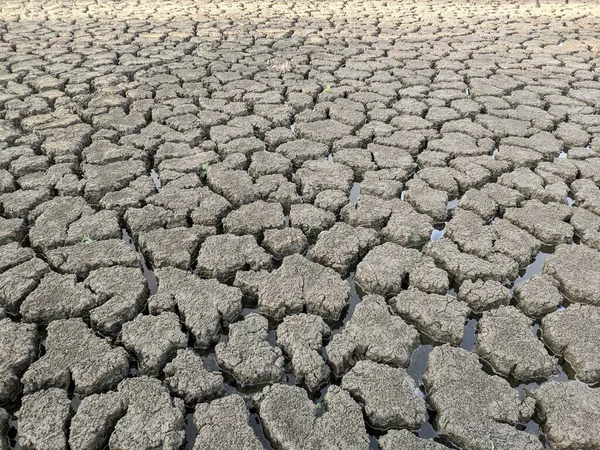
(203, 172)
(313, 230)
(328, 89)
(86, 239)
(319, 408)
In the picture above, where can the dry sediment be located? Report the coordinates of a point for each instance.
(247, 224)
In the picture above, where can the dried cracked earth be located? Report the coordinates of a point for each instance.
(299, 225)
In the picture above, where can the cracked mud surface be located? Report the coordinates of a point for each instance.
(299, 225)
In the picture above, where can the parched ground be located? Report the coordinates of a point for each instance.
(299, 225)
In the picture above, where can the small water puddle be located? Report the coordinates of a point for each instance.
(532, 269)
(151, 280)
(156, 180)
(354, 299)
(256, 425)
(427, 430)
(470, 335)
(75, 402)
(418, 363)
(191, 431)
(436, 234)
(354, 193)
(373, 443)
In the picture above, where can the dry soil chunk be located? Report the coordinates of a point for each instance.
(325, 131)
(407, 227)
(475, 408)
(203, 304)
(301, 337)
(587, 195)
(505, 340)
(43, 420)
(480, 203)
(400, 439)
(302, 150)
(576, 269)
(223, 255)
(587, 227)
(298, 285)
(58, 297)
(310, 219)
(123, 291)
(574, 334)
(340, 246)
(83, 258)
(371, 211)
(372, 333)
(150, 217)
(53, 218)
(269, 163)
(14, 254)
(385, 268)
(18, 349)
(75, 354)
(223, 425)
(187, 377)
(318, 176)
(16, 283)
(254, 218)
(571, 414)
(11, 230)
(483, 295)
(463, 266)
(387, 395)
(95, 419)
(441, 317)
(538, 296)
(514, 242)
(21, 202)
(290, 419)
(426, 200)
(247, 355)
(149, 408)
(285, 242)
(101, 179)
(331, 200)
(154, 340)
(175, 246)
(458, 144)
(235, 185)
(547, 222)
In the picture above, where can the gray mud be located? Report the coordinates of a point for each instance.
(299, 225)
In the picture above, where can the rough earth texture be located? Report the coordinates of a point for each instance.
(307, 203)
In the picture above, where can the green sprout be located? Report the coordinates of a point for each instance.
(320, 409)
(203, 171)
(313, 230)
(328, 90)
(86, 239)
